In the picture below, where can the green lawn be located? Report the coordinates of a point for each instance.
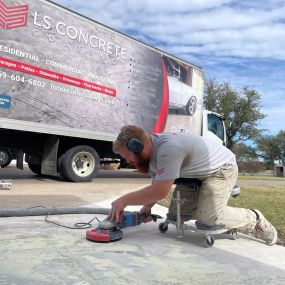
(270, 200)
(260, 177)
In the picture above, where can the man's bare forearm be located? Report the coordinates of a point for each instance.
(148, 195)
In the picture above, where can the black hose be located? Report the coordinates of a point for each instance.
(43, 211)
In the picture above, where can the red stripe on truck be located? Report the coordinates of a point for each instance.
(55, 76)
(161, 121)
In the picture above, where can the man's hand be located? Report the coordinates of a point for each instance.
(146, 209)
(118, 207)
(146, 196)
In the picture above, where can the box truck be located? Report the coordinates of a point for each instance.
(68, 84)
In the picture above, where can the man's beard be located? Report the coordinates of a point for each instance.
(143, 164)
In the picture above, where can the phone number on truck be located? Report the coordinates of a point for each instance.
(20, 78)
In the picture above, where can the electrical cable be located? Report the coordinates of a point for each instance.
(77, 226)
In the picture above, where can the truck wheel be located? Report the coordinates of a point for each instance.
(5, 157)
(80, 164)
(191, 106)
(59, 167)
(36, 168)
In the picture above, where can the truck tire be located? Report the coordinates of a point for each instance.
(191, 106)
(80, 164)
(36, 168)
(5, 157)
(59, 167)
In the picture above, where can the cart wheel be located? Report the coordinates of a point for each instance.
(163, 227)
(209, 241)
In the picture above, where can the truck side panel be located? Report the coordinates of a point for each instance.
(68, 84)
(59, 69)
(64, 70)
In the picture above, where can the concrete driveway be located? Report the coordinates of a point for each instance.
(35, 252)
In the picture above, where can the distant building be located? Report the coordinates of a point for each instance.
(279, 170)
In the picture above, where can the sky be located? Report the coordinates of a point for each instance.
(238, 42)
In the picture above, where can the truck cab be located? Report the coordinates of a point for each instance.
(213, 126)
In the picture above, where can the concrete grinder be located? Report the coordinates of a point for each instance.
(109, 231)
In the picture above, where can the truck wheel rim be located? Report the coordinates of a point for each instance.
(83, 164)
(192, 105)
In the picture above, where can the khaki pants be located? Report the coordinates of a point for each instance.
(208, 204)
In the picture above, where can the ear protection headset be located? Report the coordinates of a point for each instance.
(133, 144)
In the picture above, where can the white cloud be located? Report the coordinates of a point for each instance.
(218, 27)
(143, 7)
(274, 121)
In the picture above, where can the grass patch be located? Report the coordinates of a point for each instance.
(270, 200)
(257, 177)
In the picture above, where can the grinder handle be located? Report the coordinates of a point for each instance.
(149, 214)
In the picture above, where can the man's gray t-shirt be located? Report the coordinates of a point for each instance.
(187, 155)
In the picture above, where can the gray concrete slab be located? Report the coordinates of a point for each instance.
(35, 252)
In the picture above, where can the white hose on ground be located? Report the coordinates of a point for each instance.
(43, 211)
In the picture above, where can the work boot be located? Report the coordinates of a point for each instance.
(264, 230)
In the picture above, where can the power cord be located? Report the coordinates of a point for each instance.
(77, 226)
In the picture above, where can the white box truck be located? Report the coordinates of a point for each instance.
(68, 83)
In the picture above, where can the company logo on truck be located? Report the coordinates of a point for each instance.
(12, 17)
(15, 16)
(45, 23)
